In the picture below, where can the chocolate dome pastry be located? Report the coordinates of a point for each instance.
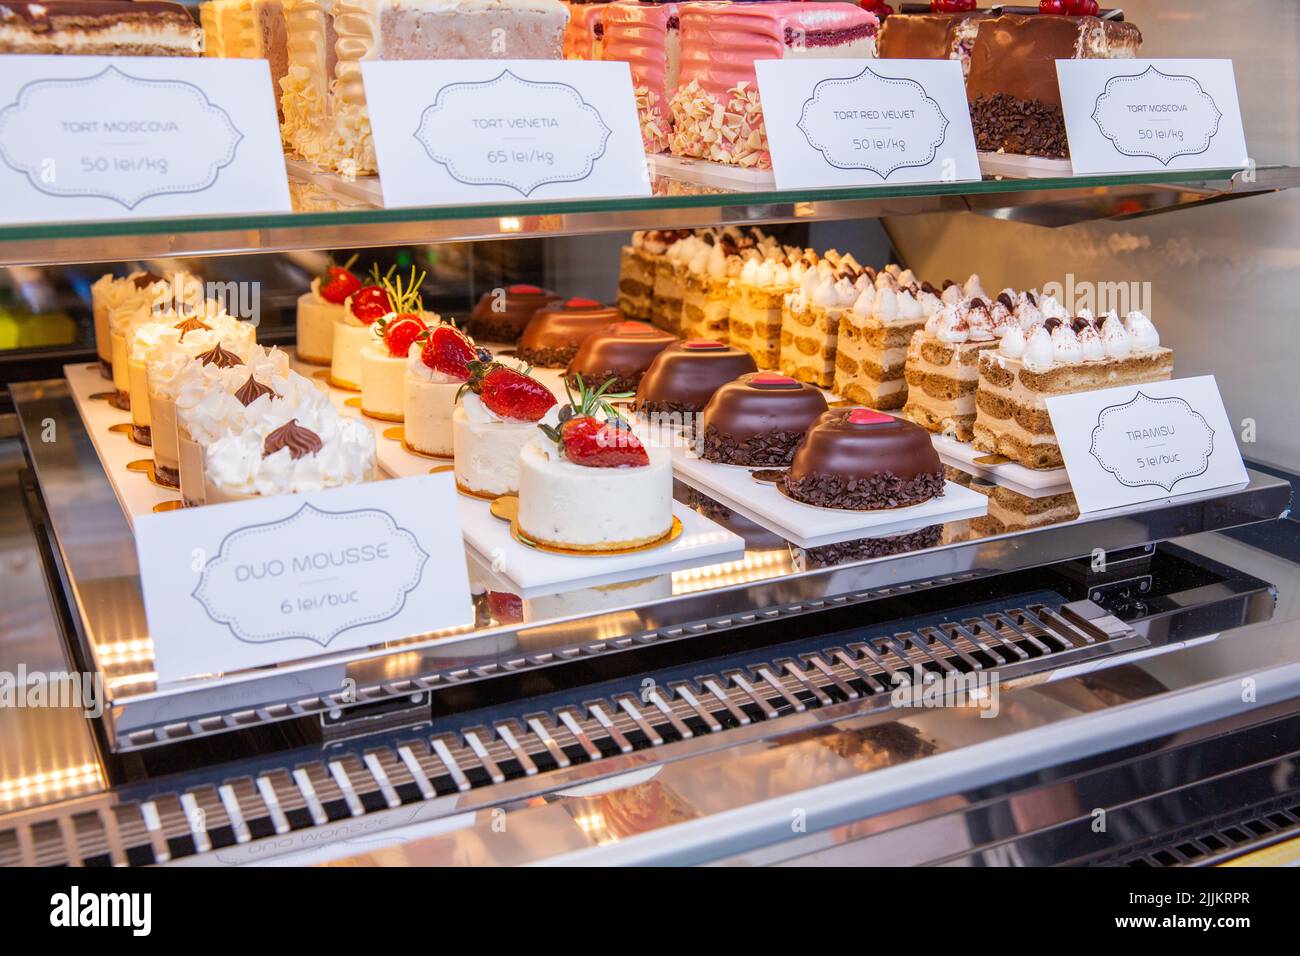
(758, 419)
(551, 338)
(501, 314)
(622, 351)
(684, 376)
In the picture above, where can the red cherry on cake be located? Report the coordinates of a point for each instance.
(449, 350)
(1083, 8)
(505, 608)
(337, 284)
(596, 444)
(371, 302)
(400, 333)
(1052, 6)
(509, 393)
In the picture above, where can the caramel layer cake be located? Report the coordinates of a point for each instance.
(810, 318)
(760, 289)
(942, 364)
(99, 28)
(871, 352)
(636, 270)
(1058, 358)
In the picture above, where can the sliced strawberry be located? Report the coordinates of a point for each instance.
(371, 302)
(509, 393)
(596, 444)
(449, 350)
(401, 331)
(337, 284)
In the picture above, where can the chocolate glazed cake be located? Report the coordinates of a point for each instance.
(622, 352)
(759, 419)
(684, 376)
(915, 33)
(551, 338)
(861, 460)
(500, 315)
(1012, 87)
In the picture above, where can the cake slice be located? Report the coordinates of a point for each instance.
(1018, 110)
(873, 337)
(810, 319)
(99, 28)
(709, 284)
(942, 364)
(637, 267)
(647, 37)
(918, 33)
(716, 112)
(584, 37)
(670, 282)
(760, 291)
(1058, 358)
(306, 108)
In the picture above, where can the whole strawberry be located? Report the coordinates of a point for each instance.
(951, 6)
(339, 282)
(371, 302)
(1083, 8)
(509, 393)
(449, 350)
(400, 332)
(587, 440)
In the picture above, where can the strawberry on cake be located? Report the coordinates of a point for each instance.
(352, 330)
(437, 366)
(384, 357)
(576, 480)
(716, 110)
(498, 411)
(320, 308)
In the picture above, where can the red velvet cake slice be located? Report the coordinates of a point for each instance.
(716, 110)
(647, 36)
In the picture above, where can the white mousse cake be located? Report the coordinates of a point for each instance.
(436, 368)
(352, 332)
(319, 309)
(384, 356)
(496, 416)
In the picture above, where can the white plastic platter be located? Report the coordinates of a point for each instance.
(809, 526)
(706, 173)
(1033, 482)
(1017, 166)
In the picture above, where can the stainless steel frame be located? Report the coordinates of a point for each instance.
(95, 551)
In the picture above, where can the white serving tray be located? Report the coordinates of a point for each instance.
(1033, 482)
(1017, 166)
(706, 173)
(135, 492)
(365, 190)
(809, 526)
(701, 542)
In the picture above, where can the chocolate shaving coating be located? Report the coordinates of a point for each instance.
(299, 440)
(493, 329)
(558, 357)
(252, 390)
(884, 490)
(622, 383)
(1019, 126)
(192, 324)
(220, 357)
(861, 549)
(770, 448)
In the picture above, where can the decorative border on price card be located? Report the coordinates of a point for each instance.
(1177, 413)
(1213, 115)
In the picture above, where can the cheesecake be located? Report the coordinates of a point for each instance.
(496, 415)
(437, 366)
(319, 309)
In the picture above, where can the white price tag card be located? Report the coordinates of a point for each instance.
(866, 122)
(1146, 442)
(240, 585)
(1139, 115)
(497, 130)
(99, 137)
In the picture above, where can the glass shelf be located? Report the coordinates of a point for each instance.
(331, 213)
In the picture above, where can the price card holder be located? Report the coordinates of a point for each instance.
(95, 137)
(234, 586)
(498, 130)
(866, 122)
(1139, 115)
(1146, 442)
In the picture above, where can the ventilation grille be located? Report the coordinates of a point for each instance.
(1222, 840)
(166, 826)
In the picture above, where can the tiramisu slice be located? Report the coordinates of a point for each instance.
(636, 270)
(760, 291)
(810, 319)
(1058, 358)
(716, 110)
(1014, 96)
(99, 28)
(873, 338)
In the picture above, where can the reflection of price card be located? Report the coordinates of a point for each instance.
(227, 587)
(504, 129)
(1144, 442)
(1133, 115)
(111, 137)
(866, 122)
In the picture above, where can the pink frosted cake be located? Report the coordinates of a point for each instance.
(716, 112)
(647, 36)
(584, 36)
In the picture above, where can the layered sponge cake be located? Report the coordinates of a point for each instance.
(810, 319)
(871, 353)
(716, 110)
(1058, 358)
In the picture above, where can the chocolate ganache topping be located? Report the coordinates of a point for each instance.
(299, 440)
(221, 358)
(251, 391)
(192, 324)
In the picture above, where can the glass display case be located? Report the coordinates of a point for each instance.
(677, 713)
